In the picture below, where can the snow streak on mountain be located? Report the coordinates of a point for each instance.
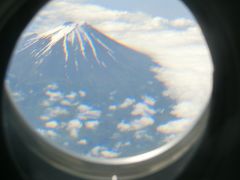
(89, 93)
(83, 37)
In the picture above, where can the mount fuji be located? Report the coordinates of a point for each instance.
(74, 78)
(79, 55)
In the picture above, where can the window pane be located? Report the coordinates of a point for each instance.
(111, 79)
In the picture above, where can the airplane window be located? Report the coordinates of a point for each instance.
(105, 79)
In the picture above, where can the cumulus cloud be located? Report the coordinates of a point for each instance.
(143, 135)
(127, 103)
(91, 124)
(56, 111)
(47, 133)
(54, 95)
(73, 127)
(82, 93)
(66, 102)
(52, 86)
(182, 23)
(103, 152)
(88, 112)
(51, 124)
(136, 124)
(142, 109)
(175, 127)
(82, 142)
(71, 95)
(44, 117)
(149, 100)
(112, 108)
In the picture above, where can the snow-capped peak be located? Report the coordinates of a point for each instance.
(72, 34)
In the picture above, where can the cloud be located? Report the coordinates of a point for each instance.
(175, 127)
(112, 108)
(56, 111)
(103, 152)
(44, 118)
(74, 124)
(71, 95)
(66, 102)
(142, 109)
(91, 124)
(87, 112)
(127, 103)
(47, 133)
(82, 142)
(136, 124)
(143, 135)
(73, 127)
(54, 95)
(51, 124)
(149, 100)
(52, 86)
(181, 23)
(82, 93)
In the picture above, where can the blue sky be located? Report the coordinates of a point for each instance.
(170, 9)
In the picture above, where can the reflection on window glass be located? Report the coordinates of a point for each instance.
(111, 79)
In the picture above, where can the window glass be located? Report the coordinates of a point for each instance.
(111, 79)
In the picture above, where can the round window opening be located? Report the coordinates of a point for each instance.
(109, 80)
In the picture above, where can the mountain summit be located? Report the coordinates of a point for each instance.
(85, 40)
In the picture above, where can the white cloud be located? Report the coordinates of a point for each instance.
(52, 124)
(52, 86)
(143, 135)
(127, 103)
(175, 127)
(71, 95)
(142, 109)
(54, 95)
(87, 112)
(75, 123)
(112, 108)
(149, 100)
(91, 124)
(44, 118)
(82, 93)
(103, 152)
(136, 124)
(181, 23)
(82, 142)
(47, 133)
(56, 111)
(73, 127)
